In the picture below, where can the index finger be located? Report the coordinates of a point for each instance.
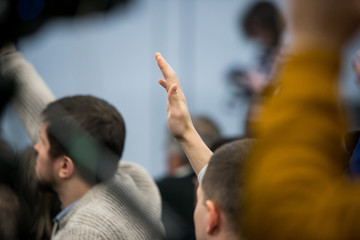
(166, 69)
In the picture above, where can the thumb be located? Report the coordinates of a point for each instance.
(172, 94)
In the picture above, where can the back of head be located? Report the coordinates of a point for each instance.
(88, 130)
(207, 129)
(263, 16)
(221, 180)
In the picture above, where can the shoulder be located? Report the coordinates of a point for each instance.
(115, 213)
(110, 209)
(95, 216)
(132, 169)
(11, 62)
(140, 178)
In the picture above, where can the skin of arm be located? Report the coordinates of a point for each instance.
(179, 121)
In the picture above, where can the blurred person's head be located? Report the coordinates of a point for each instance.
(176, 158)
(264, 22)
(81, 141)
(207, 129)
(217, 208)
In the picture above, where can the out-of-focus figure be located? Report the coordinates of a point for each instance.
(19, 18)
(178, 187)
(264, 24)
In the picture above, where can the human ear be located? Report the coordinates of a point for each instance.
(214, 220)
(66, 167)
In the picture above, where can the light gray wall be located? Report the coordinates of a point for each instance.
(112, 56)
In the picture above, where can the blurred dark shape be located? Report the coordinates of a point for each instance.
(7, 90)
(178, 188)
(12, 224)
(207, 128)
(263, 21)
(177, 192)
(240, 83)
(19, 18)
(38, 207)
(25, 212)
(222, 141)
(264, 24)
(10, 214)
(178, 206)
(351, 138)
(352, 146)
(8, 168)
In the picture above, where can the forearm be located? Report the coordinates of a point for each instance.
(32, 94)
(195, 149)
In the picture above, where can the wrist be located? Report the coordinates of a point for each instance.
(188, 135)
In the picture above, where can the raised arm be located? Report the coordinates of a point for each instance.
(295, 184)
(32, 94)
(179, 121)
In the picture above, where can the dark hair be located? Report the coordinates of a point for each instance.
(10, 214)
(221, 180)
(88, 130)
(264, 15)
(38, 207)
(20, 18)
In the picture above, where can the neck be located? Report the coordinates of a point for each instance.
(71, 190)
(228, 231)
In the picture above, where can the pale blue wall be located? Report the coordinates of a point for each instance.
(112, 57)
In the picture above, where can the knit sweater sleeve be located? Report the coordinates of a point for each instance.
(32, 94)
(294, 184)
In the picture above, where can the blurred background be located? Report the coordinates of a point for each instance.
(111, 55)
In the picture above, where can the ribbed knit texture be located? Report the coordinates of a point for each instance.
(32, 94)
(127, 207)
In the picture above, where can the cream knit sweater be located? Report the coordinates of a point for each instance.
(127, 207)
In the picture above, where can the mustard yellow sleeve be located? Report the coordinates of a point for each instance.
(295, 187)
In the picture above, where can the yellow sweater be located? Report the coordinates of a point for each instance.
(295, 186)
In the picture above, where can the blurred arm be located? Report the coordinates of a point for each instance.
(32, 94)
(295, 185)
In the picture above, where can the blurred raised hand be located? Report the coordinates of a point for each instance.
(179, 120)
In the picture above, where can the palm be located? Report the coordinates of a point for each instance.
(178, 118)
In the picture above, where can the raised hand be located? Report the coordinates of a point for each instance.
(179, 121)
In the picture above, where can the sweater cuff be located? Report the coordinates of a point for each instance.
(202, 173)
